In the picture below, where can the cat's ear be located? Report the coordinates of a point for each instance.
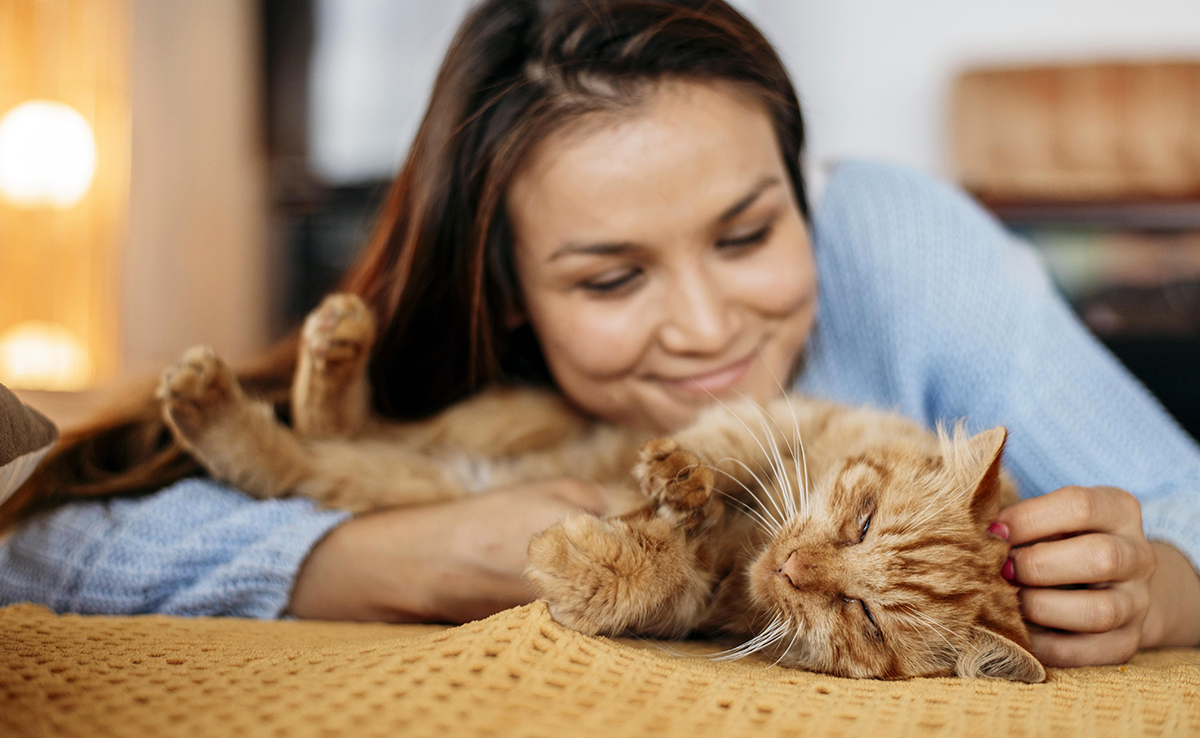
(990, 655)
(984, 451)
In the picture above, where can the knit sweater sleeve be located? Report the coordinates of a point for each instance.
(929, 307)
(194, 548)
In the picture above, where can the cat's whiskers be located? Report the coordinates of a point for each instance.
(776, 631)
(799, 440)
(746, 508)
(787, 649)
(776, 460)
(779, 521)
(768, 523)
(761, 447)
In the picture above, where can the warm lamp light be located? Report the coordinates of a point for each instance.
(47, 154)
(43, 356)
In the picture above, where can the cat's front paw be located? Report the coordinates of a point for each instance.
(676, 480)
(600, 577)
(339, 332)
(197, 391)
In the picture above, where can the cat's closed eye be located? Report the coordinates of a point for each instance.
(876, 633)
(865, 526)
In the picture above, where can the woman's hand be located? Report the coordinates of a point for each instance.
(448, 562)
(1092, 582)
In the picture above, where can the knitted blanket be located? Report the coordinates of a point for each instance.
(517, 673)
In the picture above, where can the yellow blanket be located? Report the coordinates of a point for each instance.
(517, 673)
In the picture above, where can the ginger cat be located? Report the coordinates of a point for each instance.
(841, 540)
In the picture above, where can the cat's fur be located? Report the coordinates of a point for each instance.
(841, 540)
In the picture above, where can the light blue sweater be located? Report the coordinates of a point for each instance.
(926, 306)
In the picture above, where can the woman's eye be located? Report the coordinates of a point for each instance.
(866, 526)
(611, 282)
(750, 239)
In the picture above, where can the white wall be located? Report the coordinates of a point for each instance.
(195, 267)
(873, 75)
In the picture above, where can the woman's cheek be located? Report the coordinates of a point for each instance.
(775, 284)
(598, 338)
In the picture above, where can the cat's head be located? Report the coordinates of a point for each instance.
(891, 572)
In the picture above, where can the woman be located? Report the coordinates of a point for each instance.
(607, 196)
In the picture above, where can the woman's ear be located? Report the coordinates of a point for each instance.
(990, 655)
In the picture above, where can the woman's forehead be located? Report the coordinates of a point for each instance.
(678, 161)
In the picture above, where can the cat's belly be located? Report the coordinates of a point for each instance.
(474, 473)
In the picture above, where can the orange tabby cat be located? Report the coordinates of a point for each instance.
(837, 539)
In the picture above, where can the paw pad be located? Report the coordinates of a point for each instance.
(674, 476)
(340, 329)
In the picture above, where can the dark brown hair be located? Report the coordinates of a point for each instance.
(438, 270)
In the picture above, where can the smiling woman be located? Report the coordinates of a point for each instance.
(662, 257)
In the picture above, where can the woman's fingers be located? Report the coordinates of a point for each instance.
(1071, 510)
(1088, 559)
(1084, 649)
(1081, 610)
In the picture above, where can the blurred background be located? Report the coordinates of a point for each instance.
(175, 173)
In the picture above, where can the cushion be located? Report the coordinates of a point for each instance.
(26, 436)
(517, 673)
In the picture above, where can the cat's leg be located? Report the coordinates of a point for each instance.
(762, 454)
(238, 440)
(330, 392)
(642, 573)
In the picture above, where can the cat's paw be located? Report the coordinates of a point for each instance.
(600, 577)
(676, 480)
(339, 332)
(197, 391)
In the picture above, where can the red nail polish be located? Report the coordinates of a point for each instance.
(1000, 530)
(1009, 571)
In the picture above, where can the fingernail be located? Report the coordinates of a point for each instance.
(1000, 530)
(1009, 571)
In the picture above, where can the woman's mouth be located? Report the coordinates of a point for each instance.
(714, 382)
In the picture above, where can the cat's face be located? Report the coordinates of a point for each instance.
(890, 572)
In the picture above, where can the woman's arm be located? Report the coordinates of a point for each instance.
(199, 548)
(195, 548)
(929, 306)
(447, 562)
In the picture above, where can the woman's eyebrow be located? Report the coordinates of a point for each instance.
(595, 249)
(619, 247)
(761, 186)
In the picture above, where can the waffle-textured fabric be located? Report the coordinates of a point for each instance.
(516, 674)
(926, 306)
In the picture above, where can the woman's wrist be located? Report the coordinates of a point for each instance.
(389, 567)
(337, 579)
(1174, 615)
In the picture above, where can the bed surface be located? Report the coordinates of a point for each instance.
(516, 673)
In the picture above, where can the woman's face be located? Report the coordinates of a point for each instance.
(662, 257)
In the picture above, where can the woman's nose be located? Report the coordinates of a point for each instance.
(699, 319)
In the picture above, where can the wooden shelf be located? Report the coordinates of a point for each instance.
(1163, 215)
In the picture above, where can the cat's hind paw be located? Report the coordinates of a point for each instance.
(339, 332)
(676, 480)
(197, 391)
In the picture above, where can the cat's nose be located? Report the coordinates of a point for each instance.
(790, 569)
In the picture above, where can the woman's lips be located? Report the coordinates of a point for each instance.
(712, 383)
